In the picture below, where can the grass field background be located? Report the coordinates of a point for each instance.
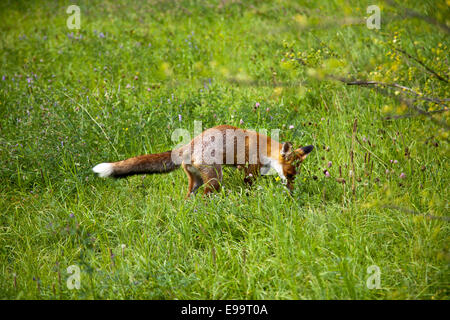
(119, 86)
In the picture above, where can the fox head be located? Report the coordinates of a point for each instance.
(290, 161)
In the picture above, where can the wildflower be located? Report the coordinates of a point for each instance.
(327, 174)
(257, 105)
(128, 86)
(395, 161)
(179, 117)
(71, 215)
(267, 109)
(402, 175)
(330, 164)
(148, 89)
(136, 77)
(241, 121)
(291, 127)
(277, 179)
(101, 35)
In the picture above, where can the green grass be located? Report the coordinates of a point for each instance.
(67, 104)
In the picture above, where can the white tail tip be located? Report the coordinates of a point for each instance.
(103, 169)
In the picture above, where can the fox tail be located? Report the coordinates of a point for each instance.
(146, 164)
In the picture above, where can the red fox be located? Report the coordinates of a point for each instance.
(203, 157)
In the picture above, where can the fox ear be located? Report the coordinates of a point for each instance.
(286, 150)
(304, 151)
(307, 149)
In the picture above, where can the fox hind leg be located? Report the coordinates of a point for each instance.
(195, 179)
(212, 177)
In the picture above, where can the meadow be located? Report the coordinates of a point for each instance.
(371, 201)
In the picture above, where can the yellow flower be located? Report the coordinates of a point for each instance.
(301, 20)
(277, 91)
(277, 179)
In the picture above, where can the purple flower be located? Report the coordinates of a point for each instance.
(29, 80)
(291, 127)
(395, 161)
(327, 174)
(71, 215)
(179, 117)
(330, 164)
(101, 35)
(3, 78)
(257, 105)
(402, 175)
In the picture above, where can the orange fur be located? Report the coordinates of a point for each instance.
(203, 167)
